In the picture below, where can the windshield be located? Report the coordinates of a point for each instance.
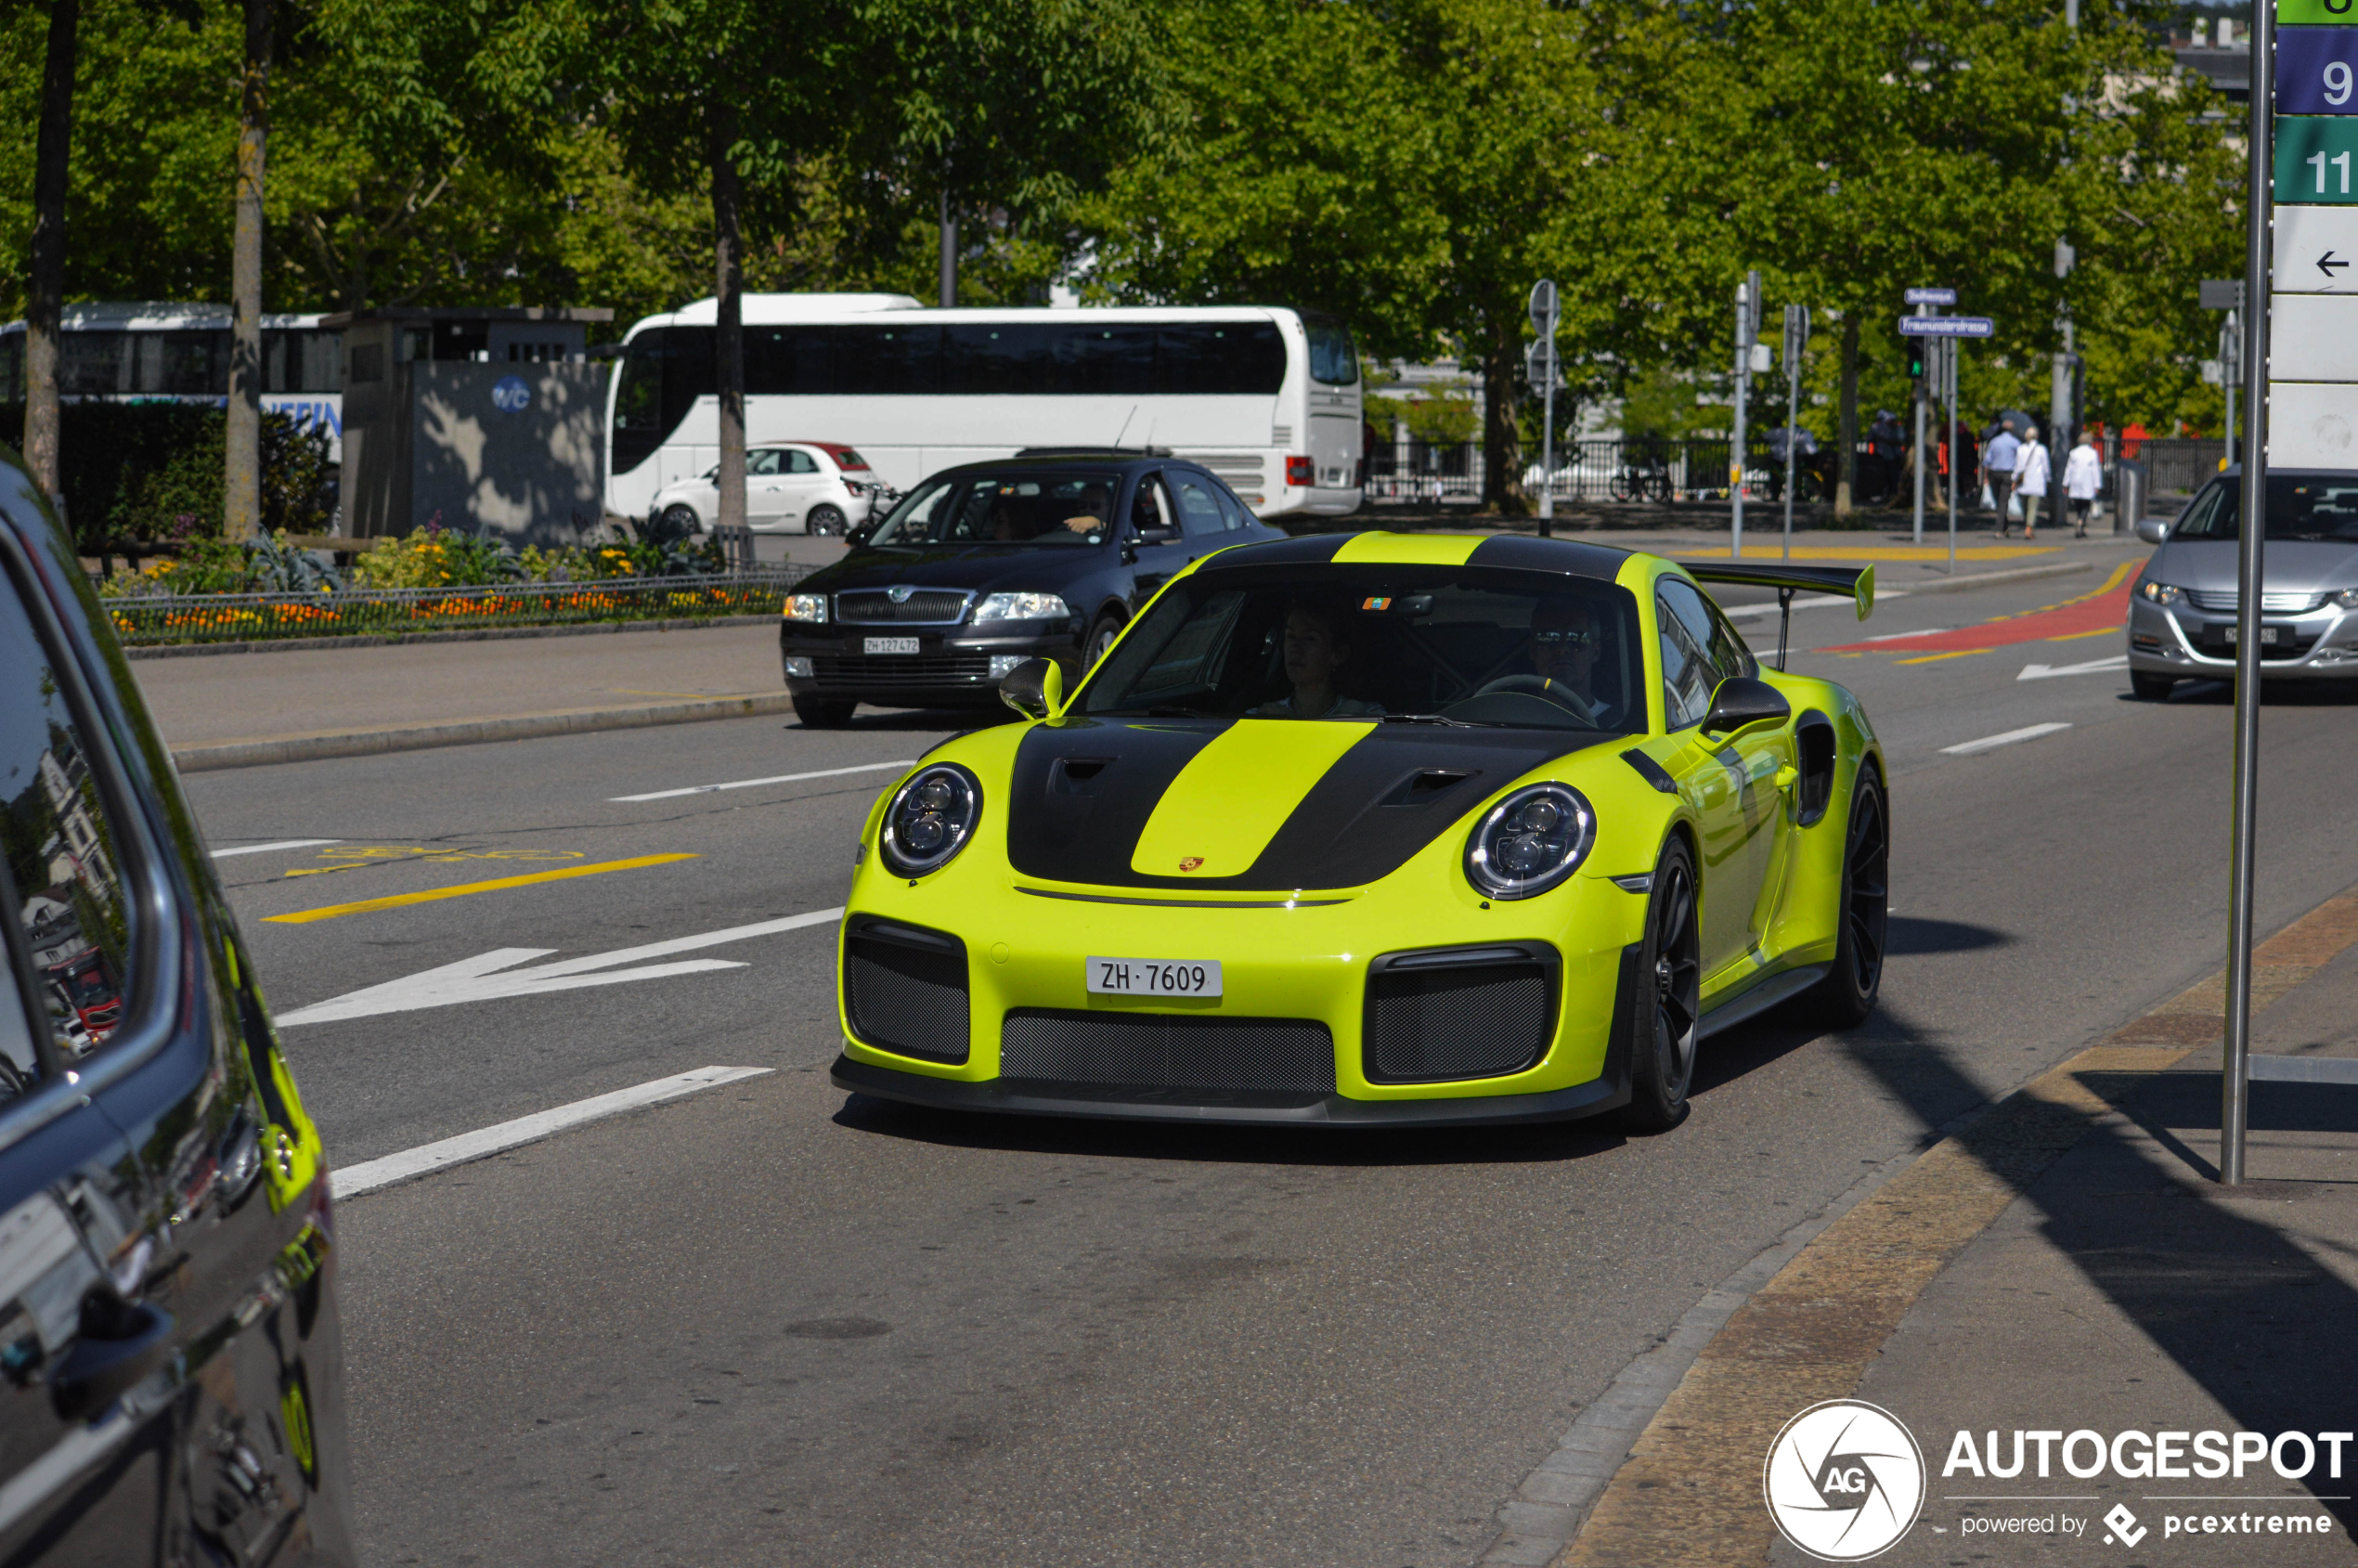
(1435, 644)
(2300, 507)
(1063, 508)
(847, 457)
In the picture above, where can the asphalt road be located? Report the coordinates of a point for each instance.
(766, 1324)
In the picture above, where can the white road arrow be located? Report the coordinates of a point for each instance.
(2093, 667)
(489, 976)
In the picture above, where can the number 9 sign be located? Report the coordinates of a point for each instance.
(2317, 69)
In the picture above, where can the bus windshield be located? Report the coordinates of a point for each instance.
(1063, 508)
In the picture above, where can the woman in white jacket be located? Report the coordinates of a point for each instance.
(2032, 469)
(2083, 476)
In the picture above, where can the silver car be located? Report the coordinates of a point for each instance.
(2182, 613)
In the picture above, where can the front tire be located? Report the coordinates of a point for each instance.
(822, 713)
(1101, 639)
(682, 521)
(1848, 995)
(825, 521)
(2150, 688)
(1669, 1003)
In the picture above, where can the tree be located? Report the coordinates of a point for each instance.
(242, 516)
(1447, 154)
(994, 116)
(46, 304)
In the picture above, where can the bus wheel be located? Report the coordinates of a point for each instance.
(824, 520)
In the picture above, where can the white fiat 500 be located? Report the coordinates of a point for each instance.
(791, 487)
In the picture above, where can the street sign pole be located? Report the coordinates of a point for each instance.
(1796, 339)
(1746, 292)
(1948, 358)
(1919, 465)
(2235, 1087)
(2231, 357)
(1546, 312)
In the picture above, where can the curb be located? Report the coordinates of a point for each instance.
(425, 737)
(1692, 1419)
(464, 634)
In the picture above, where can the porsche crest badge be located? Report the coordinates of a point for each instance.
(1191, 863)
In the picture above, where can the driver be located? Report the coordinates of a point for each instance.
(1093, 504)
(1565, 640)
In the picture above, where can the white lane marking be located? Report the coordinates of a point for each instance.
(367, 1176)
(757, 784)
(265, 849)
(489, 976)
(1814, 602)
(1991, 742)
(2045, 671)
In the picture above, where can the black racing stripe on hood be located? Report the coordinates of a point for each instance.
(1568, 556)
(1382, 801)
(1064, 827)
(1388, 796)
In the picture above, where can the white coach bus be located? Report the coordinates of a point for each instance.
(149, 352)
(1266, 397)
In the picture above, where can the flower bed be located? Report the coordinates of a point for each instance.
(152, 618)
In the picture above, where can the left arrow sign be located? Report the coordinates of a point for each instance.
(489, 976)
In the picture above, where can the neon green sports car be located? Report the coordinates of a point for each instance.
(1376, 830)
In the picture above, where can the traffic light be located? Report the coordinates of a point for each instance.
(1915, 359)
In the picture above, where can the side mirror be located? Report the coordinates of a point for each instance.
(2152, 530)
(1157, 536)
(1034, 688)
(1740, 703)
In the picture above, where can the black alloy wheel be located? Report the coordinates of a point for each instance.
(1669, 999)
(1101, 637)
(825, 521)
(680, 522)
(1847, 993)
(2150, 688)
(822, 713)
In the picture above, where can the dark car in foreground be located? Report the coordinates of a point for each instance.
(170, 1370)
(1047, 554)
(2181, 614)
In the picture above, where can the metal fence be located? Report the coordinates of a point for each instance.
(239, 617)
(2179, 467)
(1598, 471)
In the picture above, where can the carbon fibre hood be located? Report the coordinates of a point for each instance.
(1106, 802)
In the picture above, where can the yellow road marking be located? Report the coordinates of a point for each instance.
(1875, 553)
(396, 900)
(1959, 653)
(2074, 636)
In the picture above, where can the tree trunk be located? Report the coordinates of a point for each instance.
(1846, 440)
(729, 333)
(51, 159)
(949, 249)
(1501, 441)
(242, 498)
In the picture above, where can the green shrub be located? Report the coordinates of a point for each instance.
(155, 472)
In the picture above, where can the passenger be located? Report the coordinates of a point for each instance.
(1317, 649)
(1565, 641)
(1094, 505)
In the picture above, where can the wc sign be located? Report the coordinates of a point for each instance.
(510, 396)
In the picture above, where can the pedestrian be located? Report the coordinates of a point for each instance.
(2083, 476)
(1998, 464)
(2032, 469)
(1801, 445)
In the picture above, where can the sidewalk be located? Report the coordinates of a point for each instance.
(2065, 1263)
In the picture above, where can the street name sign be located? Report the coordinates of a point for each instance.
(1946, 326)
(1930, 296)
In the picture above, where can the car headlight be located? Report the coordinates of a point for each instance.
(1022, 607)
(2161, 593)
(2347, 598)
(805, 606)
(931, 820)
(1530, 841)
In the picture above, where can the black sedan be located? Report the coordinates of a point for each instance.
(1044, 554)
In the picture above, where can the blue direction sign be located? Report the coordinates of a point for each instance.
(1945, 327)
(1931, 296)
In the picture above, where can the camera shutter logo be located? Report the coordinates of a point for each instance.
(1844, 1480)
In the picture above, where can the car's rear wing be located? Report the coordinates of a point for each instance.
(1854, 583)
